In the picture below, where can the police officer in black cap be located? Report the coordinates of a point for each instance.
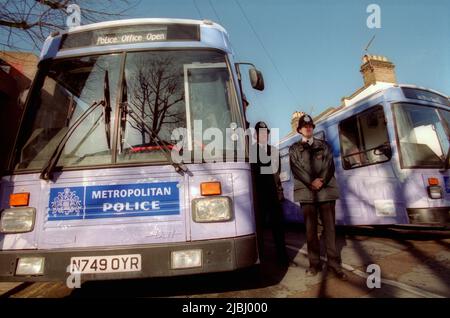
(316, 189)
(269, 193)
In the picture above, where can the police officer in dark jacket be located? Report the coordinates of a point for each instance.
(316, 189)
(269, 193)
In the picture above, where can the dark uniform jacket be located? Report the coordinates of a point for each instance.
(311, 162)
(269, 184)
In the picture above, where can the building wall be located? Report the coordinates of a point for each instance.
(17, 71)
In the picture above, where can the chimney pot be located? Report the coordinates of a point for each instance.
(377, 68)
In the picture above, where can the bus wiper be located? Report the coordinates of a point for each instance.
(124, 111)
(107, 109)
(47, 171)
(179, 167)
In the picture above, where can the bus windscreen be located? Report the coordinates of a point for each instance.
(421, 94)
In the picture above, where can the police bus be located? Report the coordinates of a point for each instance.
(92, 187)
(391, 152)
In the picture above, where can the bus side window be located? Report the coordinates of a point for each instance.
(364, 139)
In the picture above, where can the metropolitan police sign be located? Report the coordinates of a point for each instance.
(109, 201)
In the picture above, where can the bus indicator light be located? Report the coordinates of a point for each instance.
(210, 188)
(19, 199)
(433, 181)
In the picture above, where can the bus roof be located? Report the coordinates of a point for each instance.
(388, 90)
(375, 94)
(127, 22)
(210, 35)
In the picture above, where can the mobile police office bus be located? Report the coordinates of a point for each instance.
(391, 153)
(92, 188)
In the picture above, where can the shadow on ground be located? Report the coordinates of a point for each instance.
(259, 279)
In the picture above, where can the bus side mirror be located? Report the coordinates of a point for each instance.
(256, 79)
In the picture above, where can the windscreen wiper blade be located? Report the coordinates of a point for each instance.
(123, 112)
(179, 167)
(107, 109)
(47, 171)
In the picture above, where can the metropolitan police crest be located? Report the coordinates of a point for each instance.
(66, 202)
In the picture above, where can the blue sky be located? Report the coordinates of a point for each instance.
(317, 46)
(313, 49)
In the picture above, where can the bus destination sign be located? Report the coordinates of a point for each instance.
(131, 34)
(111, 39)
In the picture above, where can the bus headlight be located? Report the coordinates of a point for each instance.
(17, 220)
(186, 259)
(212, 209)
(30, 266)
(435, 192)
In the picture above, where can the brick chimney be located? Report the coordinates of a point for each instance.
(376, 68)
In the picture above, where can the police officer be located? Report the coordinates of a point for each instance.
(269, 193)
(315, 187)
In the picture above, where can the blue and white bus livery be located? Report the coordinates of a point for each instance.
(391, 152)
(92, 187)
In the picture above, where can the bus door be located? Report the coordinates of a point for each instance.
(370, 188)
(209, 94)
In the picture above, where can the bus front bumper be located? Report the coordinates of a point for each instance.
(429, 216)
(156, 260)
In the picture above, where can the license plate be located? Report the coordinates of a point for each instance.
(106, 264)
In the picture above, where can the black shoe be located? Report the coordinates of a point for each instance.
(339, 273)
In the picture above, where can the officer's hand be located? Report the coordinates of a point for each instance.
(321, 182)
(317, 184)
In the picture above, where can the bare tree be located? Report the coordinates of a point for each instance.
(34, 20)
(157, 89)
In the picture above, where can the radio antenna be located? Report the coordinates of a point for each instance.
(367, 50)
(368, 44)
